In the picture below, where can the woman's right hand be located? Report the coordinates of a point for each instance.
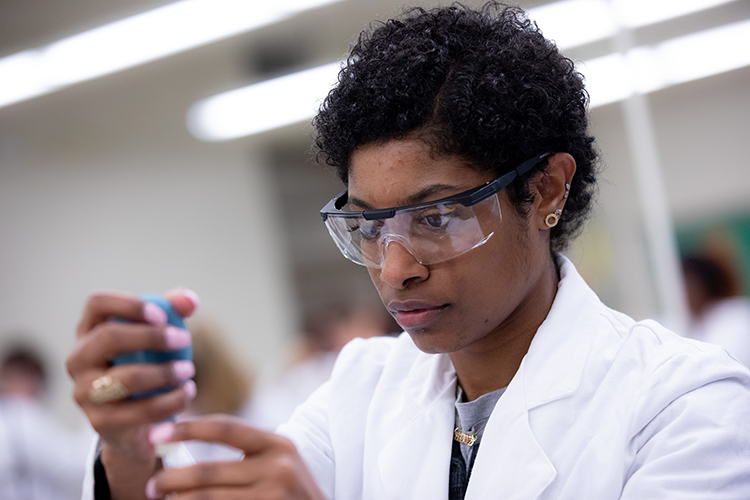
(123, 424)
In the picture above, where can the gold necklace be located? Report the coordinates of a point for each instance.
(465, 437)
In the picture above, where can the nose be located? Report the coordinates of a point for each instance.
(400, 267)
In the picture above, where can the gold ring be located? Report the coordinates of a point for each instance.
(106, 389)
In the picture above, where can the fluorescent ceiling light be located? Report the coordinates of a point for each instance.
(295, 98)
(636, 13)
(646, 69)
(576, 22)
(263, 106)
(136, 40)
(187, 24)
(706, 53)
(607, 79)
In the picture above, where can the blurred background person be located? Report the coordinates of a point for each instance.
(719, 313)
(223, 382)
(311, 359)
(40, 458)
(224, 385)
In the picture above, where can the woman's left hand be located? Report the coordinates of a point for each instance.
(271, 467)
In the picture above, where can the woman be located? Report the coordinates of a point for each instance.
(462, 138)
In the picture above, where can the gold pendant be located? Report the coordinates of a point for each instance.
(464, 437)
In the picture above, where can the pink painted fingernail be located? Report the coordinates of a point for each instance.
(161, 433)
(192, 296)
(154, 314)
(176, 338)
(151, 489)
(190, 389)
(183, 369)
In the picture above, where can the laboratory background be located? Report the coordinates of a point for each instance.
(148, 144)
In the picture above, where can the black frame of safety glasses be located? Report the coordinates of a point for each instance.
(467, 198)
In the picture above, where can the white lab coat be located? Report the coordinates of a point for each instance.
(601, 408)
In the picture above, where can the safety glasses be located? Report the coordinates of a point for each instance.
(432, 232)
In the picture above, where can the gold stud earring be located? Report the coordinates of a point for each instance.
(567, 190)
(551, 219)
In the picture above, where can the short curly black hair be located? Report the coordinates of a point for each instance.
(480, 84)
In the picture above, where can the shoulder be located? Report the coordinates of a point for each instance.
(660, 351)
(659, 405)
(675, 365)
(667, 381)
(662, 355)
(689, 412)
(646, 359)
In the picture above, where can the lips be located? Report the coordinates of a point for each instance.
(415, 314)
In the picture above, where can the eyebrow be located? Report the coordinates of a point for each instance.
(413, 199)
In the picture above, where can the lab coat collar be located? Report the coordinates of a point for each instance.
(414, 462)
(553, 366)
(510, 464)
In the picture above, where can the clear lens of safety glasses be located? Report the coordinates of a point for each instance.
(432, 233)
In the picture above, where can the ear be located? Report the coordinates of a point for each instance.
(551, 187)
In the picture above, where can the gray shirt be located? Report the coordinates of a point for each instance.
(472, 416)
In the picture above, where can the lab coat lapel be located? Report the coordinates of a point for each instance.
(554, 365)
(415, 461)
(510, 463)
